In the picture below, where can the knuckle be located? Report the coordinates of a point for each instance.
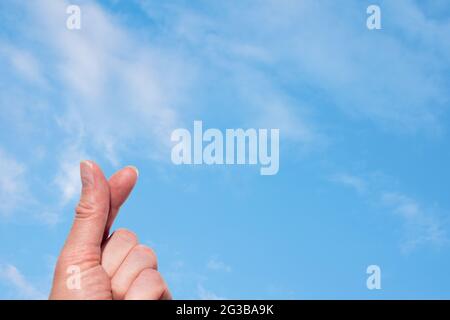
(80, 255)
(148, 254)
(117, 288)
(126, 235)
(155, 278)
(85, 210)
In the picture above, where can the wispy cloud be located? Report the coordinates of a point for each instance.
(109, 77)
(13, 184)
(352, 181)
(24, 64)
(67, 181)
(404, 89)
(215, 264)
(204, 294)
(10, 275)
(421, 224)
(68, 176)
(106, 90)
(247, 62)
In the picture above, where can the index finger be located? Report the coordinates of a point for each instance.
(121, 184)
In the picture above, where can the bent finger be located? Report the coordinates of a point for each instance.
(121, 184)
(139, 258)
(149, 285)
(116, 249)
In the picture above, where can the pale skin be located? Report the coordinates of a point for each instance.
(113, 266)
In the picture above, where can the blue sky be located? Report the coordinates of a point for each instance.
(364, 141)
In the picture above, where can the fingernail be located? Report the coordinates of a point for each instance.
(86, 173)
(135, 169)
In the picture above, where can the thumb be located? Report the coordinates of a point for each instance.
(92, 210)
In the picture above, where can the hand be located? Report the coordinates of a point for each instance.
(111, 267)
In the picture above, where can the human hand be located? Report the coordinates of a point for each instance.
(110, 267)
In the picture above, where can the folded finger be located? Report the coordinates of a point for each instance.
(139, 258)
(149, 285)
(116, 249)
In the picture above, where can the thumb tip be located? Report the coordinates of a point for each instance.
(86, 172)
(87, 163)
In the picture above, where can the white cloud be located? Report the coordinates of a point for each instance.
(349, 180)
(24, 289)
(121, 87)
(68, 181)
(393, 77)
(268, 107)
(217, 265)
(108, 90)
(13, 185)
(127, 91)
(259, 100)
(23, 63)
(204, 294)
(421, 226)
(68, 175)
(15, 192)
